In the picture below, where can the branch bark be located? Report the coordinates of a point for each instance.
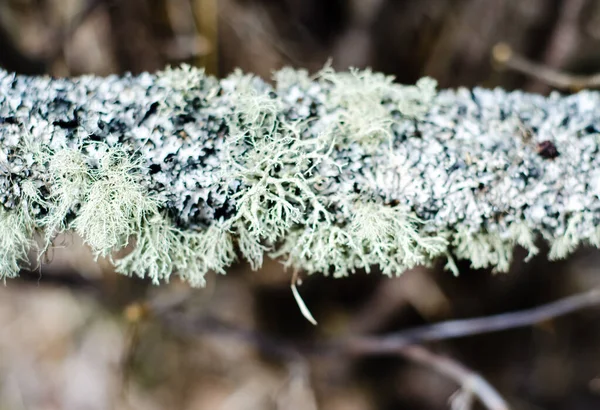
(336, 172)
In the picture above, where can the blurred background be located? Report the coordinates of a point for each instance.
(75, 335)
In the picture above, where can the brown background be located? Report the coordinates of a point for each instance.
(78, 336)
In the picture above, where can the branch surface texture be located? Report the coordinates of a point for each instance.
(331, 173)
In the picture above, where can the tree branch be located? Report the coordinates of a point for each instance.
(504, 55)
(333, 173)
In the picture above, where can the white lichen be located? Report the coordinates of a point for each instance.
(390, 237)
(328, 172)
(567, 242)
(185, 83)
(493, 249)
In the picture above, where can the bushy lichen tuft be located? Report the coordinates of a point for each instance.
(115, 204)
(69, 179)
(161, 249)
(390, 237)
(493, 249)
(375, 235)
(16, 230)
(364, 102)
(152, 254)
(275, 170)
(566, 243)
(184, 83)
(289, 77)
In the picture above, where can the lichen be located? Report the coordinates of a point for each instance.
(332, 173)
(15, 241)
(275, 170)
(363, 102)
(160, 249)
(375, 235)
(493, 249)
(115, 203)
(69, 179)
(183, 84)
(568, 241)
(17, 228)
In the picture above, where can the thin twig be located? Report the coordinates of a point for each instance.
(505, 56)
(470, 382)
(453, 329)
(565, 35)
(403, 343)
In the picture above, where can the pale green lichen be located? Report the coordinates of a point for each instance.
(376, 235)
(69, 179)
(185, 83)
(362, 99)
(270, 162)
(390, 237)
(161, 249)
(16, 230)
(321, 249)
(566, 243)
(492, 249)
(115, 204)
(152, 254)
(289, 77)
(209, 250)
(523, 235)
(482, 249)
(275, 170)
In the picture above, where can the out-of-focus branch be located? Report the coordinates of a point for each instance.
(564, 38)
(453, 329)
(471, 383)
(404, 343)
(505, 56)
(11, 58)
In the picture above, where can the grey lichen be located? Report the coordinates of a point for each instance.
(331, 173)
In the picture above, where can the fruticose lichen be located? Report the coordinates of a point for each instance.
(179, 172)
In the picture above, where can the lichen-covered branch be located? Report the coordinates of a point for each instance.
(331, 173)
